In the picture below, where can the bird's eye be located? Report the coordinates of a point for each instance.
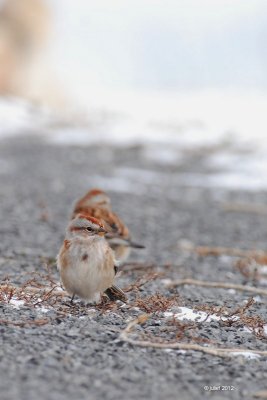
(89, 229)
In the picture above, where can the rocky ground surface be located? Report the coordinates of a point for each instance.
(51, 350)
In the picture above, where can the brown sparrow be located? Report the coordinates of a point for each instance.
(97, 204)
(85, 261)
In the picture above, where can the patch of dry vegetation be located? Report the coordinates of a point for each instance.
(156, 303)
(239, 316)
(41, 290)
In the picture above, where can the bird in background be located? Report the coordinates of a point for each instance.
(97, 204)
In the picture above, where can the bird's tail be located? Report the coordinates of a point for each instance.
(115, 293)
(119, 241)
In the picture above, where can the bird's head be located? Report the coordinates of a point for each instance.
(85, 226)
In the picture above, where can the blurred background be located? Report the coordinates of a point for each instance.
(171, 76)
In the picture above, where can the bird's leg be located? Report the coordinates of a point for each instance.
(104, 299)
(72, 298)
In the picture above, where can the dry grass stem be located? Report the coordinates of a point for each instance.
(259, 256)
(36, 322)
(33, 290)
(218, 285)
(259, 209)
(262, 394)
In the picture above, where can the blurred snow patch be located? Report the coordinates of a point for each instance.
(246, 354)
(226, 130)
(192, 315)
(16, 303)
(165, 155)
(19, 117)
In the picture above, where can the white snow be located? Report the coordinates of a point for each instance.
(19, 117)
(187, 119)
(247, 354)
(193, 315)
(168, 128)
(17, 303)
(44, 309)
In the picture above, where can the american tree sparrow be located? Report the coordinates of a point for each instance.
(86, 262)
(97, 204)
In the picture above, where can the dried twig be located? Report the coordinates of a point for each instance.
(262, 394)
(259, 209)
(37, 322)
(204, 251)
(32, 289)
(215, 351)
(219, 285)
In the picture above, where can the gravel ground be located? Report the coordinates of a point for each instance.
(78, 355)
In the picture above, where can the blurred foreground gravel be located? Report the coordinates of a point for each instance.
(79, 356)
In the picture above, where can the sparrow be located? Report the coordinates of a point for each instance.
(96, 203)
(86, 262)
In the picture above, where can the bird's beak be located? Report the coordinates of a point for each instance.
(101, 231)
